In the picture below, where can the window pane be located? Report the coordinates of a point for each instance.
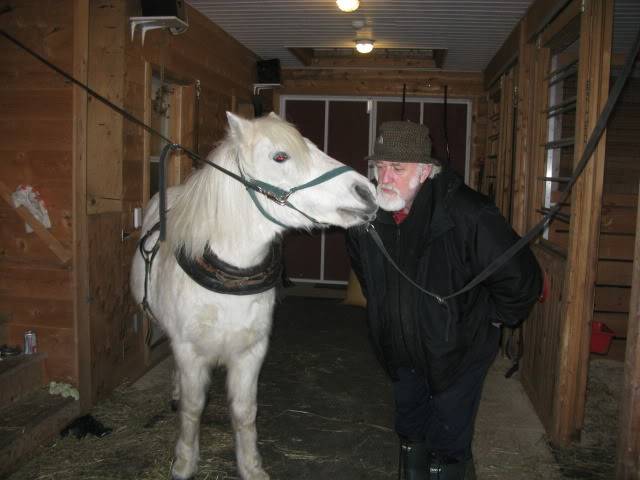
(560, 114)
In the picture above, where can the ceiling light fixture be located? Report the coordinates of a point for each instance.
(364, 45)
(348, 5)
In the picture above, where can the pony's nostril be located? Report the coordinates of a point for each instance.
(364, 193)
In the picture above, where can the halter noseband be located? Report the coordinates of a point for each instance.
(280, 196)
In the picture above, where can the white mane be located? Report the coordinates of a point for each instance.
(213, 208)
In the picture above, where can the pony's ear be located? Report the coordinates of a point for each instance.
(238, 125)
(274, 115)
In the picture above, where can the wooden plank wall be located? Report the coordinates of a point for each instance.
(381, 82)
(618, 220)
(540, 339)
(116, 177)
(36, 117)
(628, 458)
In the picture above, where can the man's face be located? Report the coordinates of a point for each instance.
(398, 183)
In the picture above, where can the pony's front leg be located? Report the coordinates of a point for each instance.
(242, 386)
(175, 391)
(193, 376)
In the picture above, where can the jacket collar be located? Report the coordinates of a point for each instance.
(430, 207)
(444, 184)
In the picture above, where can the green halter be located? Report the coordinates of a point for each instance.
(281, 197)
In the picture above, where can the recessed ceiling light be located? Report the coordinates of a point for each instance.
(364, 45)
(348, 5)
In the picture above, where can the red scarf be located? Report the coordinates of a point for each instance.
(399, 216)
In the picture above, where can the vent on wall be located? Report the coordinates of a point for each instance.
(379, 58)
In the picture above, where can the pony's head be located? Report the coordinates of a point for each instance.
(272, 151)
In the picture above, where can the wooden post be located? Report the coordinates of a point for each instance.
(523, 175)
(82, 327)
(505, 146)
(628, 457)
(105, 131)
(586, 205)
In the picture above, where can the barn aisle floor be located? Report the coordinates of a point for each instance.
(325, 412)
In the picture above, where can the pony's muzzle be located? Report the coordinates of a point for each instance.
(364, 193)
(367, 212)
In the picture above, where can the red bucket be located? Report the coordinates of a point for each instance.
(601, 337)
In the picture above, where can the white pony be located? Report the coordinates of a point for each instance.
(214, 212)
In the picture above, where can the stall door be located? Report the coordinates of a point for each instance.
(341, 129)
(348, 142)
(302, 250)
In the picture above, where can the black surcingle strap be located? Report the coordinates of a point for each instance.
(214, 274)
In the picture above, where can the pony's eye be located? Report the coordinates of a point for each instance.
(280, 157)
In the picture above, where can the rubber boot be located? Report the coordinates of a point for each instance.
(439, 470)
(414, 461)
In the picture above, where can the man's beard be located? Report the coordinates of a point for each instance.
(391, 202)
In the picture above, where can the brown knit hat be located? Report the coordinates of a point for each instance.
(403, 142)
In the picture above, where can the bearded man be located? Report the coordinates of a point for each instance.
(442, 234)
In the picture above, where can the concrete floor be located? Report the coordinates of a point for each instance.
(510, 442)
(325, 412)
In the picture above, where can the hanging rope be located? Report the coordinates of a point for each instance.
(444, 122)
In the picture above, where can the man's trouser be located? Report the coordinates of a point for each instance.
(444, 421)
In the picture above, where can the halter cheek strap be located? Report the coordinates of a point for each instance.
(281, 197)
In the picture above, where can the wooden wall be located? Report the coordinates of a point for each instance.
(84, 158)
(618, 220)
(540, 333)
(36, 116)
(117, 181)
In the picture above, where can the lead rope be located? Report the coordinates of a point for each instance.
(370, 229)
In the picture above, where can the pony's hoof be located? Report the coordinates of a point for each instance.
(255, 475)
(175, 405)
(177, 477)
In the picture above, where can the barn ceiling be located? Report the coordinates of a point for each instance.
(471, 31)
(460, 35)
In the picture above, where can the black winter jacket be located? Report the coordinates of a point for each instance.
(451, 234)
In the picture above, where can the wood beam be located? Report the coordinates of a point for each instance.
(106, 75)
(503, 191)
(586, 207)
(366, 61)
(305, 55)
(62, 252)
(379, 82)
(525, 123)
(376, 59)
(567, 24)
(628, 456)
(540, 14)
(82, 326)
(504, 58)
